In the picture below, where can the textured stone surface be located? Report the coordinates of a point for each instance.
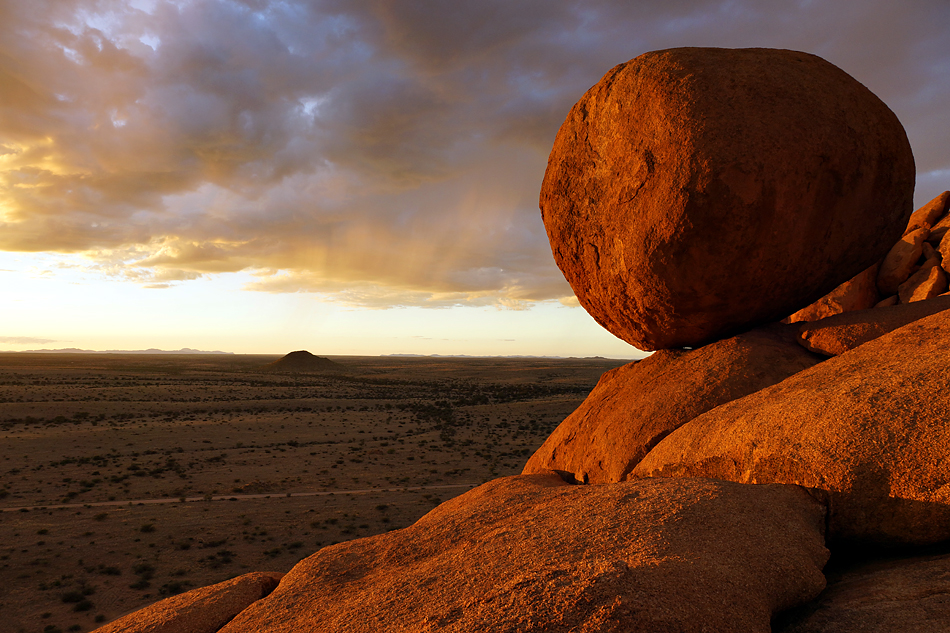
(838, 334)
(928, 282)
(858, 293)
(870, 427)
(928, 214)
(202, 610)
(635, 406)
(939, 230)
(909, 595)
(531, 554)
(681, 208)
(944, 250)
(900, 261)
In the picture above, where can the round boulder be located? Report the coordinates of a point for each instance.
(695, 192)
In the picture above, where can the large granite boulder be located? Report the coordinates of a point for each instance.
(202, 610)
(903, 595)
(695, 192)
(528, 554)
(635, 406)
(868, 428)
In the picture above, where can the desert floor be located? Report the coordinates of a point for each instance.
(128, 478)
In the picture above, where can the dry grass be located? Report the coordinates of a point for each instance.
(84, 430)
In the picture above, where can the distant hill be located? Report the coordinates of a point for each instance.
(73, 350)
(303, 362)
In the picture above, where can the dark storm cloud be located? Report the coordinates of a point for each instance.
(383, 152)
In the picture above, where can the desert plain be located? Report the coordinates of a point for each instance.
(128, 478)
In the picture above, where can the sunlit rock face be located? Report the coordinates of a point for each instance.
(635, 406)
(694, 192)
(532, 554)
(867, 429)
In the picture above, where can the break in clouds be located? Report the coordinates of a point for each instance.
(379, 152)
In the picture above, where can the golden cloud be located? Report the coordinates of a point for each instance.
(374, 152)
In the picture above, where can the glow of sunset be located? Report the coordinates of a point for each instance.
(361, 177)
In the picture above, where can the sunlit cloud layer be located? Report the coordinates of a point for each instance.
(379, 153)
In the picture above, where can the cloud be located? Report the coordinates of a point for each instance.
(25, 340)
(375, 152)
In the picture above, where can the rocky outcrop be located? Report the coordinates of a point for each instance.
(868, 428)
(891, 596)
(681, 210)
(929, 214)
(202, 610)
(906, 275)
(531, 554)
(858, 293)
(635, 406)
(842, 332)
(900, 261)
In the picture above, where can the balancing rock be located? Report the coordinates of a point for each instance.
(696, 192)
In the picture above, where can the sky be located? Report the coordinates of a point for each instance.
(349, 176)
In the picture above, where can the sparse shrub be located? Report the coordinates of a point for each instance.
(72, 596)
(148, 527)
(83, 605)
(174, 587)
(101, 516)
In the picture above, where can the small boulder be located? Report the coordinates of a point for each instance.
(944, 250)
(868, 428)
(681, 210)
(900, 261)
(858, 293)
(635, 406)
(888, 596)
(838, 334)
(202, 610)
(928, 282)
(939, 230)
(530, 554)
(928, 214)
(893, 300)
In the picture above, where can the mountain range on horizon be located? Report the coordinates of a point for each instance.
(151, 350)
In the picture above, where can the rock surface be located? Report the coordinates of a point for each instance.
(928, 282)
(895, 596)
(928, 214)
(840, 333)
(858, 293)
(900, 261)
(635, 406)
(202, 610)
(528, 554)
(868, 427)
(681, 210)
